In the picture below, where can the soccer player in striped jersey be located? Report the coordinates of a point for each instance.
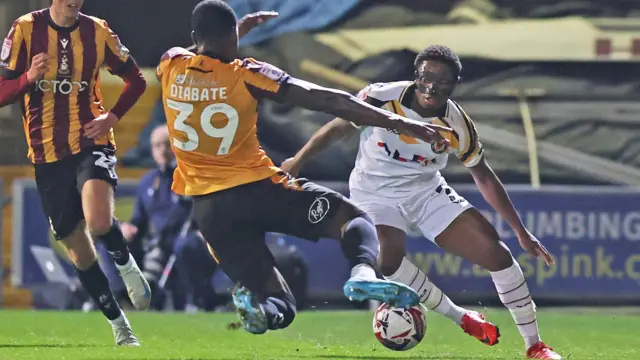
(397, 181)
(50, 61)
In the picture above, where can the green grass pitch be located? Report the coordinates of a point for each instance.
(577, 334)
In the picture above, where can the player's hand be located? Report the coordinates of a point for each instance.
(290, 166)
(430, 133)
(129, 230)
(534, 247)
(39, 67)
(100, 126)
(250, 21)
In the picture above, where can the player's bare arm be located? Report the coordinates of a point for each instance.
(496, 195)
(343, 105)
(333, 131)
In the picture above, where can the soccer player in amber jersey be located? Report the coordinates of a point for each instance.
(397, 181)
(50, 60)
(211, 100)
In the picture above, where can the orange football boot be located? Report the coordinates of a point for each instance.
(474, 324)
(542, 351)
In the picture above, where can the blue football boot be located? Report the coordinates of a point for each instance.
(390, 292)
(250, 312)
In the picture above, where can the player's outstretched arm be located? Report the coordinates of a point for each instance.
(331, 132)
(343, 105)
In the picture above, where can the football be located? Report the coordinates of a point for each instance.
(399, 329)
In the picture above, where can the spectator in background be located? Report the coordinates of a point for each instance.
(171, 241)
(141, 154)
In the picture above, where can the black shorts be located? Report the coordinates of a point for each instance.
(60, 185)
(234, 222)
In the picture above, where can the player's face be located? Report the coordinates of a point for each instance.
(161, 147)
(435, 82)
(70, 8)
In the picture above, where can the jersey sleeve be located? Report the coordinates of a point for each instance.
(263, 79)
(13, 56)
(166, 58)
(469, 149)
(368, 95)
(116, 55)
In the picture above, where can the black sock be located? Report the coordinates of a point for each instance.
(280, 310)
(360, 242)
(97, 285)
(114, 241)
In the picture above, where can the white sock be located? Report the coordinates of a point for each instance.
(514, 294)
(119, 321)
(126, 266)
(363, 271)
(430, 295)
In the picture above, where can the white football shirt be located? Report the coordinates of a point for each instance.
(397, 164)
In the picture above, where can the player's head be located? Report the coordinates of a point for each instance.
(67, 8)
(161, 147)
(438, 71)
(214, 26)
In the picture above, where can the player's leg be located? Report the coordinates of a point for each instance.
(262, 297)
(62, 205)
(391, 225)
(96, 182)
(274, 297)
(472, 237)
(395, 266)
(111, 272)
(311, 211)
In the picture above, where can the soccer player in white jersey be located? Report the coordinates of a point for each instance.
(397, 181)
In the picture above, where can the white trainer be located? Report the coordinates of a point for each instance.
(137, 285)
(124, 336)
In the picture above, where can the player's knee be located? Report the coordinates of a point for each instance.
(499, 257)
(357, 220)
(289, 315)
(99, 225)
(360, 240)
(504, 258)
(286, 304)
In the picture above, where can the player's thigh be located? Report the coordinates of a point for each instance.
(383, 211)
(307, 210)
(434, 210)
(465, 232)
(391, 226)
(237, 245)
(97, 179)
(61, 202)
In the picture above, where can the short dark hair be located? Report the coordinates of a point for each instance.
(212, 20)
(440, 53)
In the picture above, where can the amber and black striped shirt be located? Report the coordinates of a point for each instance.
(56, 108)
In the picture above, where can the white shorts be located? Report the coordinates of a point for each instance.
(430, 210)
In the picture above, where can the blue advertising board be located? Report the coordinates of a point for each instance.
(593, 232)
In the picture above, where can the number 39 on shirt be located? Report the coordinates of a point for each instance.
(226, 133)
